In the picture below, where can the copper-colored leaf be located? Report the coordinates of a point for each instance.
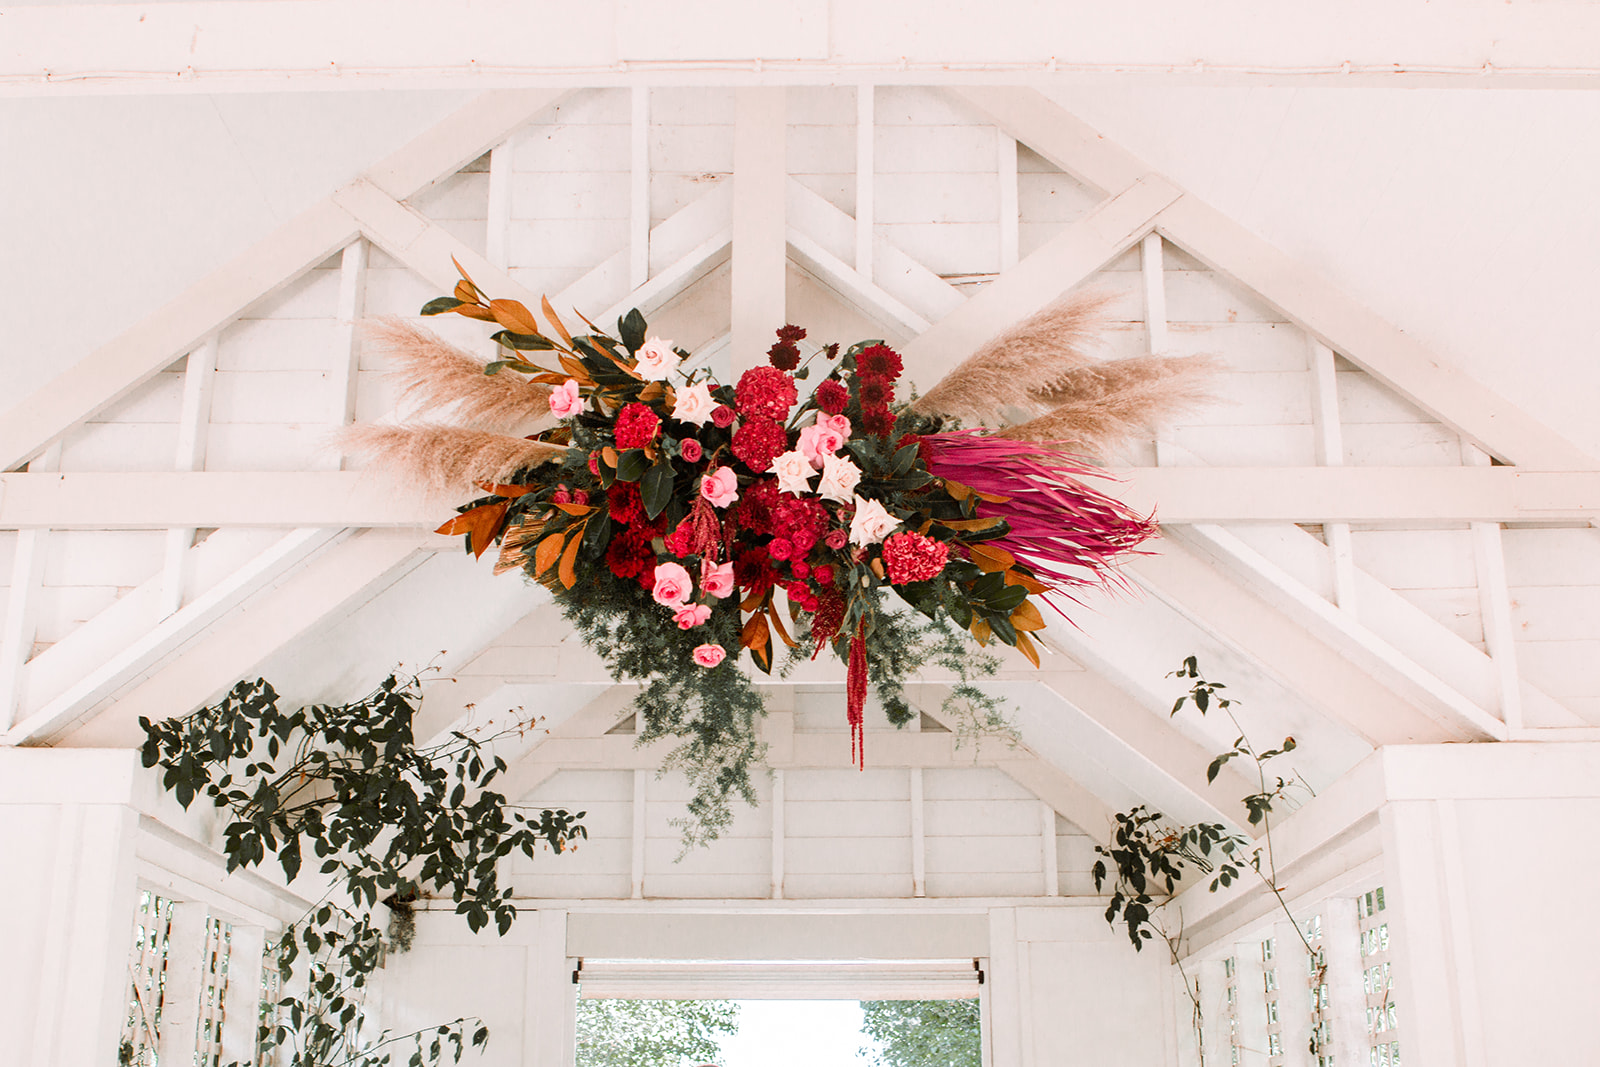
(515, 317)
(652, 392)
(753, 601)
(575, 509)
(876, 566)
(545, 556)
(473, 311)
(973, 524)
(609, 456)
(777, 624)
(1025, 645)
(989, 558)
(510, 492)
(480, 525)
(575, 368)
(981, 630)
(961, 492)
(593, 329)
(555, 320)
(1032, 585)
(466, 291)
(1026, 617)
(463, 272)
(755, 633)
(569, 558)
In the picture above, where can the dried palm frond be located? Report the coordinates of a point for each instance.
(445, 459)
(1101, 405)
(1024, 367)
(437, 375)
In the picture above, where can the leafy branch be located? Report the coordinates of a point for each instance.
(388, 820)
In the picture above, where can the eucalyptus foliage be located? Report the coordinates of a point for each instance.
(384, 819)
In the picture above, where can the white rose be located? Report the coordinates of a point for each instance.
(694, 403)
(839, 478)
(794, 472)
(871, 524)
(656, 360)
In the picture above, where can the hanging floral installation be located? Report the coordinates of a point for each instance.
(682, 523)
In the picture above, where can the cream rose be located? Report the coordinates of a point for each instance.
(694, 403)
(871, 524)
(794, 472)
(656, 360)
(839, 478)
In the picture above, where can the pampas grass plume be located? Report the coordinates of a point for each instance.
(1100, 406)
(444, 460)
(437, 374)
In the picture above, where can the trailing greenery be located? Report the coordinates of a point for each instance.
(922, 1033)
(1149, 854)
(384, 819)
(652, 1033)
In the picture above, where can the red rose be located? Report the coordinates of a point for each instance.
(722, 415)
(690, 450)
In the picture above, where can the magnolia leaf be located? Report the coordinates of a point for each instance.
(985, 523)
(575, 368)
(515, 317)
(575, 509)
(1025, 646)
(777, 624)
(632, 465)
(608, 456)
(1026, 617)
(510, 492)
(980, 630)
(991, 558)
(569, 558)
(521, 342)
(441, 304)
(545, 556)
(655, 488)
(555, 320)
(630, 328)
(1027, 581)
(480, 525)
(473, 311)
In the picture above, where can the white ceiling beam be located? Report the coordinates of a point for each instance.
(108, 374)
(152, 500)
(760, 250)
(1330, 683)
(1063, 262)
(277, 45)
(236, 644)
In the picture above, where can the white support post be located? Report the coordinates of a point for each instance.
(1047, 850)
(760, 228)
(497, 227)
(1153, 272)
(641, 779)
(185, 978)
(243, 1002)
(1494, 602)
(194, 424)
(1330, 453)
(866, 175)
(639, 189)
(1005, 989)
(777, 835)
(1347, 1001)
(1250, 1005)
(20, 625)
(1212, 977)
(551, 1004)
(1294, 995)
(919, 841)
(347, 346)
(1006, 175)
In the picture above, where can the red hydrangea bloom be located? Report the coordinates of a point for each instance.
(878, 421)
(624, 503)
(911, 557)
(759, 441)
(636, 426)
(765, 392)
(879, 361)
(755, 506)
(876, 393)
(802, 520)
(832, 397)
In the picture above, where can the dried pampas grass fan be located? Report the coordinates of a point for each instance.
(449, 382)
(1043, 369)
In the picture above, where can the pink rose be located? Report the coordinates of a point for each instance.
(673, 585)
(709, 655)
(691, 615)
(690, 450)
(721, 487)
(716, 581)
(817, 442)
(722, 415)
(837, 423)
(564, 399)
(836, 539)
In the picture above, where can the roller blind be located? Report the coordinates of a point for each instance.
(768, 980)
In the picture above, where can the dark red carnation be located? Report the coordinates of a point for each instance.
(765, 392)
(832, 397)
(759, 441)
(636, 426)
(623, 501)
(879, 361)
(831, 351)
(752, 569)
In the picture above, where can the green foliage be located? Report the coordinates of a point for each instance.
(652, 1033)
(386, 819)
(922, 1033)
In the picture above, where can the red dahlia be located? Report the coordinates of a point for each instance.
(876, 393)
(911, 557)
(636, 426)
(756, 504)
(879, 361)
(765, 392)
(791, 333)
(832, 397)
(878, 421)
(623, 501)
(759, 441)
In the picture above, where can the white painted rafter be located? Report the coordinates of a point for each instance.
(760, 258)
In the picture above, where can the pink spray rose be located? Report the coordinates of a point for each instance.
(691, 615)
(818, 441)
(673, 585)
(709, 655)
(564, 399)
(716, 581)
(721, 487)
(690, 450)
